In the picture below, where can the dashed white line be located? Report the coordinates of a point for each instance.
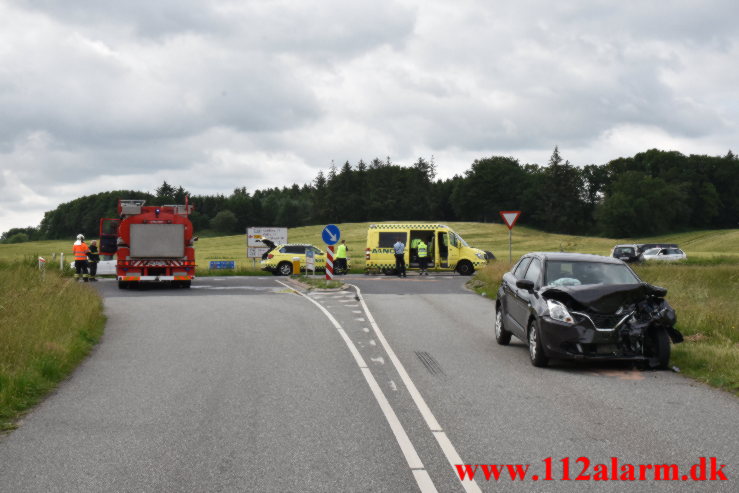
(423, 480)
(450, 452)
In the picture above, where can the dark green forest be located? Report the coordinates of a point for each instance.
(651, 193)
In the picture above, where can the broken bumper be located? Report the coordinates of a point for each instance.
(583, 342)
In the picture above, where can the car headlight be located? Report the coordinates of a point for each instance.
(557, 311)
(480, 255)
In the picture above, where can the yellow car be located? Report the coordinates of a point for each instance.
(279, 258)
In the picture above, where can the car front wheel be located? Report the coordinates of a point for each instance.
(536, 354)
(502, 336)
(465, 268)
(658, 348)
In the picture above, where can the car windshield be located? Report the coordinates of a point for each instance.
(624, 251)
(573, 273)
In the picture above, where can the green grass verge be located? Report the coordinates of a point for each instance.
(320, 282)
(48, 324)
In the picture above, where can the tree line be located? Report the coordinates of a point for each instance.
(651, 193)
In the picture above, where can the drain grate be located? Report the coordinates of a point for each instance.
(430, 363)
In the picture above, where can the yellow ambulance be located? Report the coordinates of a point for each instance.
(447, 250)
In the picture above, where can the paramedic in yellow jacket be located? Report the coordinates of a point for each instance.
(80, 250)
(341, 258)
(423, 257)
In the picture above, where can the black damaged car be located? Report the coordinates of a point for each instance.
(580, 306)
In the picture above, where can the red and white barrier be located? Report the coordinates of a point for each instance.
(329, 262)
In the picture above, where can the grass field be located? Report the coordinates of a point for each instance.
(699, 245)
(47, 326)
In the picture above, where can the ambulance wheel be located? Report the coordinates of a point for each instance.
(389, 272)
(465, 268)
(285, 269)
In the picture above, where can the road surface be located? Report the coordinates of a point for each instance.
(252, 384)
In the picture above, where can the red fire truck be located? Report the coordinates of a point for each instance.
(152, 243)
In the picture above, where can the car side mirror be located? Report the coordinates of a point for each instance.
(525, 284)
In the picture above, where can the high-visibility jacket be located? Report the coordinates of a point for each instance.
(415, 242)
(80, 251)
(422, 249)
(341, 251)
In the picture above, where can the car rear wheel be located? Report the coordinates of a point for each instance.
(536, 354)
(285, 269)
(502, 336)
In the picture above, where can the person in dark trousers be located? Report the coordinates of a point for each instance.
(80, 250)
(423, 257)
(399, 248)
(93, 257)
(341, 258)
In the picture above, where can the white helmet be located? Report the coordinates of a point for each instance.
(80, 237)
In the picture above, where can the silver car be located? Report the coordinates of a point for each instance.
(664, 254)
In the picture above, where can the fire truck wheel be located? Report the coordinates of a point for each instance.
(184, 284)
(122, 285)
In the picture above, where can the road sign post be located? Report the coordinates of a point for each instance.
(510, 218)
(331, 236)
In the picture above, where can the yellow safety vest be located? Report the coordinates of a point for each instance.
(341, 251)
(422, 250)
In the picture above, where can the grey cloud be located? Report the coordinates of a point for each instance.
(149, 19)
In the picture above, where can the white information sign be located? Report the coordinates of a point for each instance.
(310, 261)
(254, 246)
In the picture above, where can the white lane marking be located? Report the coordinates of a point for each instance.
(356, 311)
(423, 480)
(450, 452)
(360, 319)
(365, 329)
(393, 386)
(379, 359)
(372, 342)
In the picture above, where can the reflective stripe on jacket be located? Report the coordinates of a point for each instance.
(80, 251)
(422, 250)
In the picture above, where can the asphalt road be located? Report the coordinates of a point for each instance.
(246, 384)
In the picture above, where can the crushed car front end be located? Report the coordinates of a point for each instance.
(614, 322)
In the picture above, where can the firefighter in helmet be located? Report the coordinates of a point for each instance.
(80, 250)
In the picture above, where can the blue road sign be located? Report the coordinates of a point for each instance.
(222, 264)
(331, 234)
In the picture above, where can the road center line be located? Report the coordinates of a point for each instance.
(423, 480)
(450, 452)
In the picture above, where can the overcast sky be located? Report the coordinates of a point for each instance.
(212, 95)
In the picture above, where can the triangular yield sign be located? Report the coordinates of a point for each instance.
(510, 217)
